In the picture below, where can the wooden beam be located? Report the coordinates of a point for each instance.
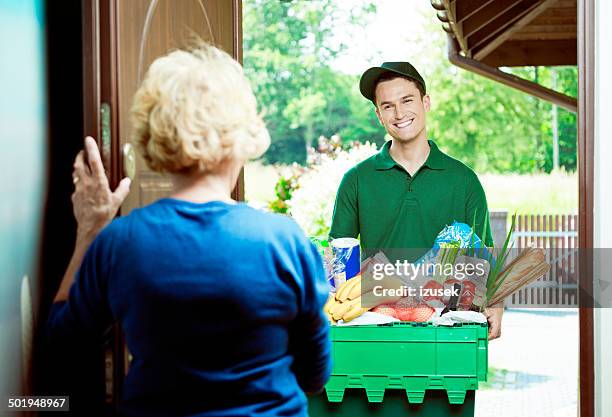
(554, 20)
(446, 14)
(568, 3)
(457, 27)
(533, 53)
(541, 36)
(500, 24)
(529, 87)
(549, 29)
(486, 15)
(505, 35)
(556, 12)
(467, 8)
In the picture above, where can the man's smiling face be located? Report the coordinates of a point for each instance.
(400, 108)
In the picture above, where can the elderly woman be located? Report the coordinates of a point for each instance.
(221, 304)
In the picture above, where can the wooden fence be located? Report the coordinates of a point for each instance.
(558, 234)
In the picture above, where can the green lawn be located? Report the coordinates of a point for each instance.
(532, 194)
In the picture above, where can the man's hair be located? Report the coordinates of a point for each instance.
(388, 76)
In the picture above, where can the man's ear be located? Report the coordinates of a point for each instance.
(426, 102)
(378, 115)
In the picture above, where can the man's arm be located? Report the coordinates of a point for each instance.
(476, 208)
(494, 317)
(345, 220)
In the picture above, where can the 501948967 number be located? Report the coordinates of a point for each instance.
(37, 403)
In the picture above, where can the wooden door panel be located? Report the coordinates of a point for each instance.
(147, 29)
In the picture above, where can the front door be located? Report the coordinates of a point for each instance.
(121, 38)
(147, 29)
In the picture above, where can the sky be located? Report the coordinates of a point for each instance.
(398, 32)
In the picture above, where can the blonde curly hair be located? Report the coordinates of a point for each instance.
(194, 110)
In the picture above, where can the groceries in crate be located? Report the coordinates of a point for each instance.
(346, 260)
(325, 251)
(352, 299)
(345, 310)
(459, 317)
(418, 313)
(506, 278)
(529, 265)
(457, 274)
(459, 260)
(341, 258)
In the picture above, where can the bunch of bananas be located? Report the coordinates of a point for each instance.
(346, 303)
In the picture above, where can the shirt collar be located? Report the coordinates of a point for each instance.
(435, 160)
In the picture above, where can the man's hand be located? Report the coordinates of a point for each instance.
(494, 317)
(93, 203)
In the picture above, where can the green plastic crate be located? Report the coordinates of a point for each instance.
(413, 357)
(355, 404)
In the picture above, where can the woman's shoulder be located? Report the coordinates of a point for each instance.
(240, 220)
(264, 231)
(261, 220)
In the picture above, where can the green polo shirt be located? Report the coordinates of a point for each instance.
(388, 209)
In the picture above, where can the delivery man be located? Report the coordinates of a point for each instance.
(403, 196)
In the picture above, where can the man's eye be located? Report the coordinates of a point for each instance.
(386, 107)
(407, 100)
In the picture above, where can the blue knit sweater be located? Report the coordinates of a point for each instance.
(221, 306)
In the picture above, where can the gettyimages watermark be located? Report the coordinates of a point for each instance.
(411, 271)
(472, 280)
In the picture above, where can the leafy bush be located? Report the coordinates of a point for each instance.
(308, 195)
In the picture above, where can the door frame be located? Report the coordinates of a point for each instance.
(586, 140)
(100, 86)
(238, 193)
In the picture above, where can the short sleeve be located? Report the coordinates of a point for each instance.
(345, 219)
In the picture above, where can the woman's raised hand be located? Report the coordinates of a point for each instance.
(94, 204)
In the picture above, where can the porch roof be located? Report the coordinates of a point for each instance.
(485, 35)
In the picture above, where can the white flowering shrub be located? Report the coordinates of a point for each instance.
(312, 202)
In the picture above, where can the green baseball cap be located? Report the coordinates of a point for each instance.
(367, 84)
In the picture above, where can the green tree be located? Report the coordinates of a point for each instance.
(288, 51)
(486, 125)
(567, 83)
(288, 48)
(494, 128)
